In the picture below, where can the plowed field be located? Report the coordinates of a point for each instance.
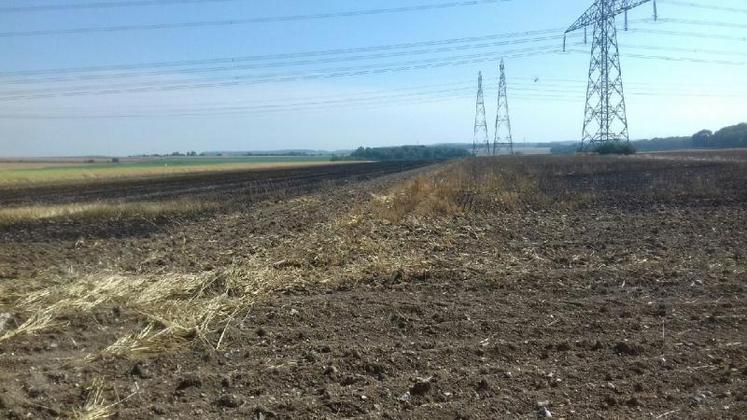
(516, 287)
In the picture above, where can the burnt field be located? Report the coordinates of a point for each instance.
(585, 287)
(249, 184)
(142, 205)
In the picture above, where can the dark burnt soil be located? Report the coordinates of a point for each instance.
(137, 244)
(256, 184)
(630, 306)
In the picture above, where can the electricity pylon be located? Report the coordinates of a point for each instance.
(605, 117)
(503, 137)
(481, 122)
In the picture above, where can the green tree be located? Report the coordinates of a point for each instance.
(702, 138)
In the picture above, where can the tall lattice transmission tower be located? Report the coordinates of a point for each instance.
(503, 138)
(481, 123)
(605, 117)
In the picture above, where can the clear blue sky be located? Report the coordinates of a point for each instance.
(418, 94)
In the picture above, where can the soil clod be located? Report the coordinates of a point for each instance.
(628, 349)
(229, 401)
(421, 387)
(190, 381)
(141, 371)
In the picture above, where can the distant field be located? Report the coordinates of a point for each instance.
(700, 154)
(23, 172)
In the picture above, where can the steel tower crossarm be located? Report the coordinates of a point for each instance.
(594, 13)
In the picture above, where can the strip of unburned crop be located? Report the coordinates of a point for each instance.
(98, 210)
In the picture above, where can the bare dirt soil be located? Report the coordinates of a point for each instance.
(581, 287)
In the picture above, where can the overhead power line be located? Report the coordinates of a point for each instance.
(555, 87)
(362, 102)
(333, 73)
(704, 6)
(249, 21)
(698, 35)
(733, 52)
(526, 89)
(272, 65)
(102, 5)
(709, 23)
(268, 103)
(57, 72)
(368, 68)
(678, 59)
(278, 56)
(291, 18)
(253, 64)
(561, 86)
(251, 79)
(336, 55)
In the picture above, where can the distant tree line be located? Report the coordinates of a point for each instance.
(407, 153)
(159, 155)
(615, 149)
(273, 154)
(728, 137)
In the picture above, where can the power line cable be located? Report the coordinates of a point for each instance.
(699, 35)
(677, 59)
(264, 65)
(379, 101)
(76, 90)
(279, 56)
(332, 52)
(103, 5)
(408, 53)
(700, 22)
(249, 21)
(233, 22)
(426, 64)
(405, 91)
(562, 87)
(293, 107)
(334, 72)
(688, 50)
(704, 6)
(391, 46)
(523, 89)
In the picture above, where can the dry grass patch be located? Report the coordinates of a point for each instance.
(50, 174)
(100, 210)
(95, 407)
(177, 305)
(474, 185)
